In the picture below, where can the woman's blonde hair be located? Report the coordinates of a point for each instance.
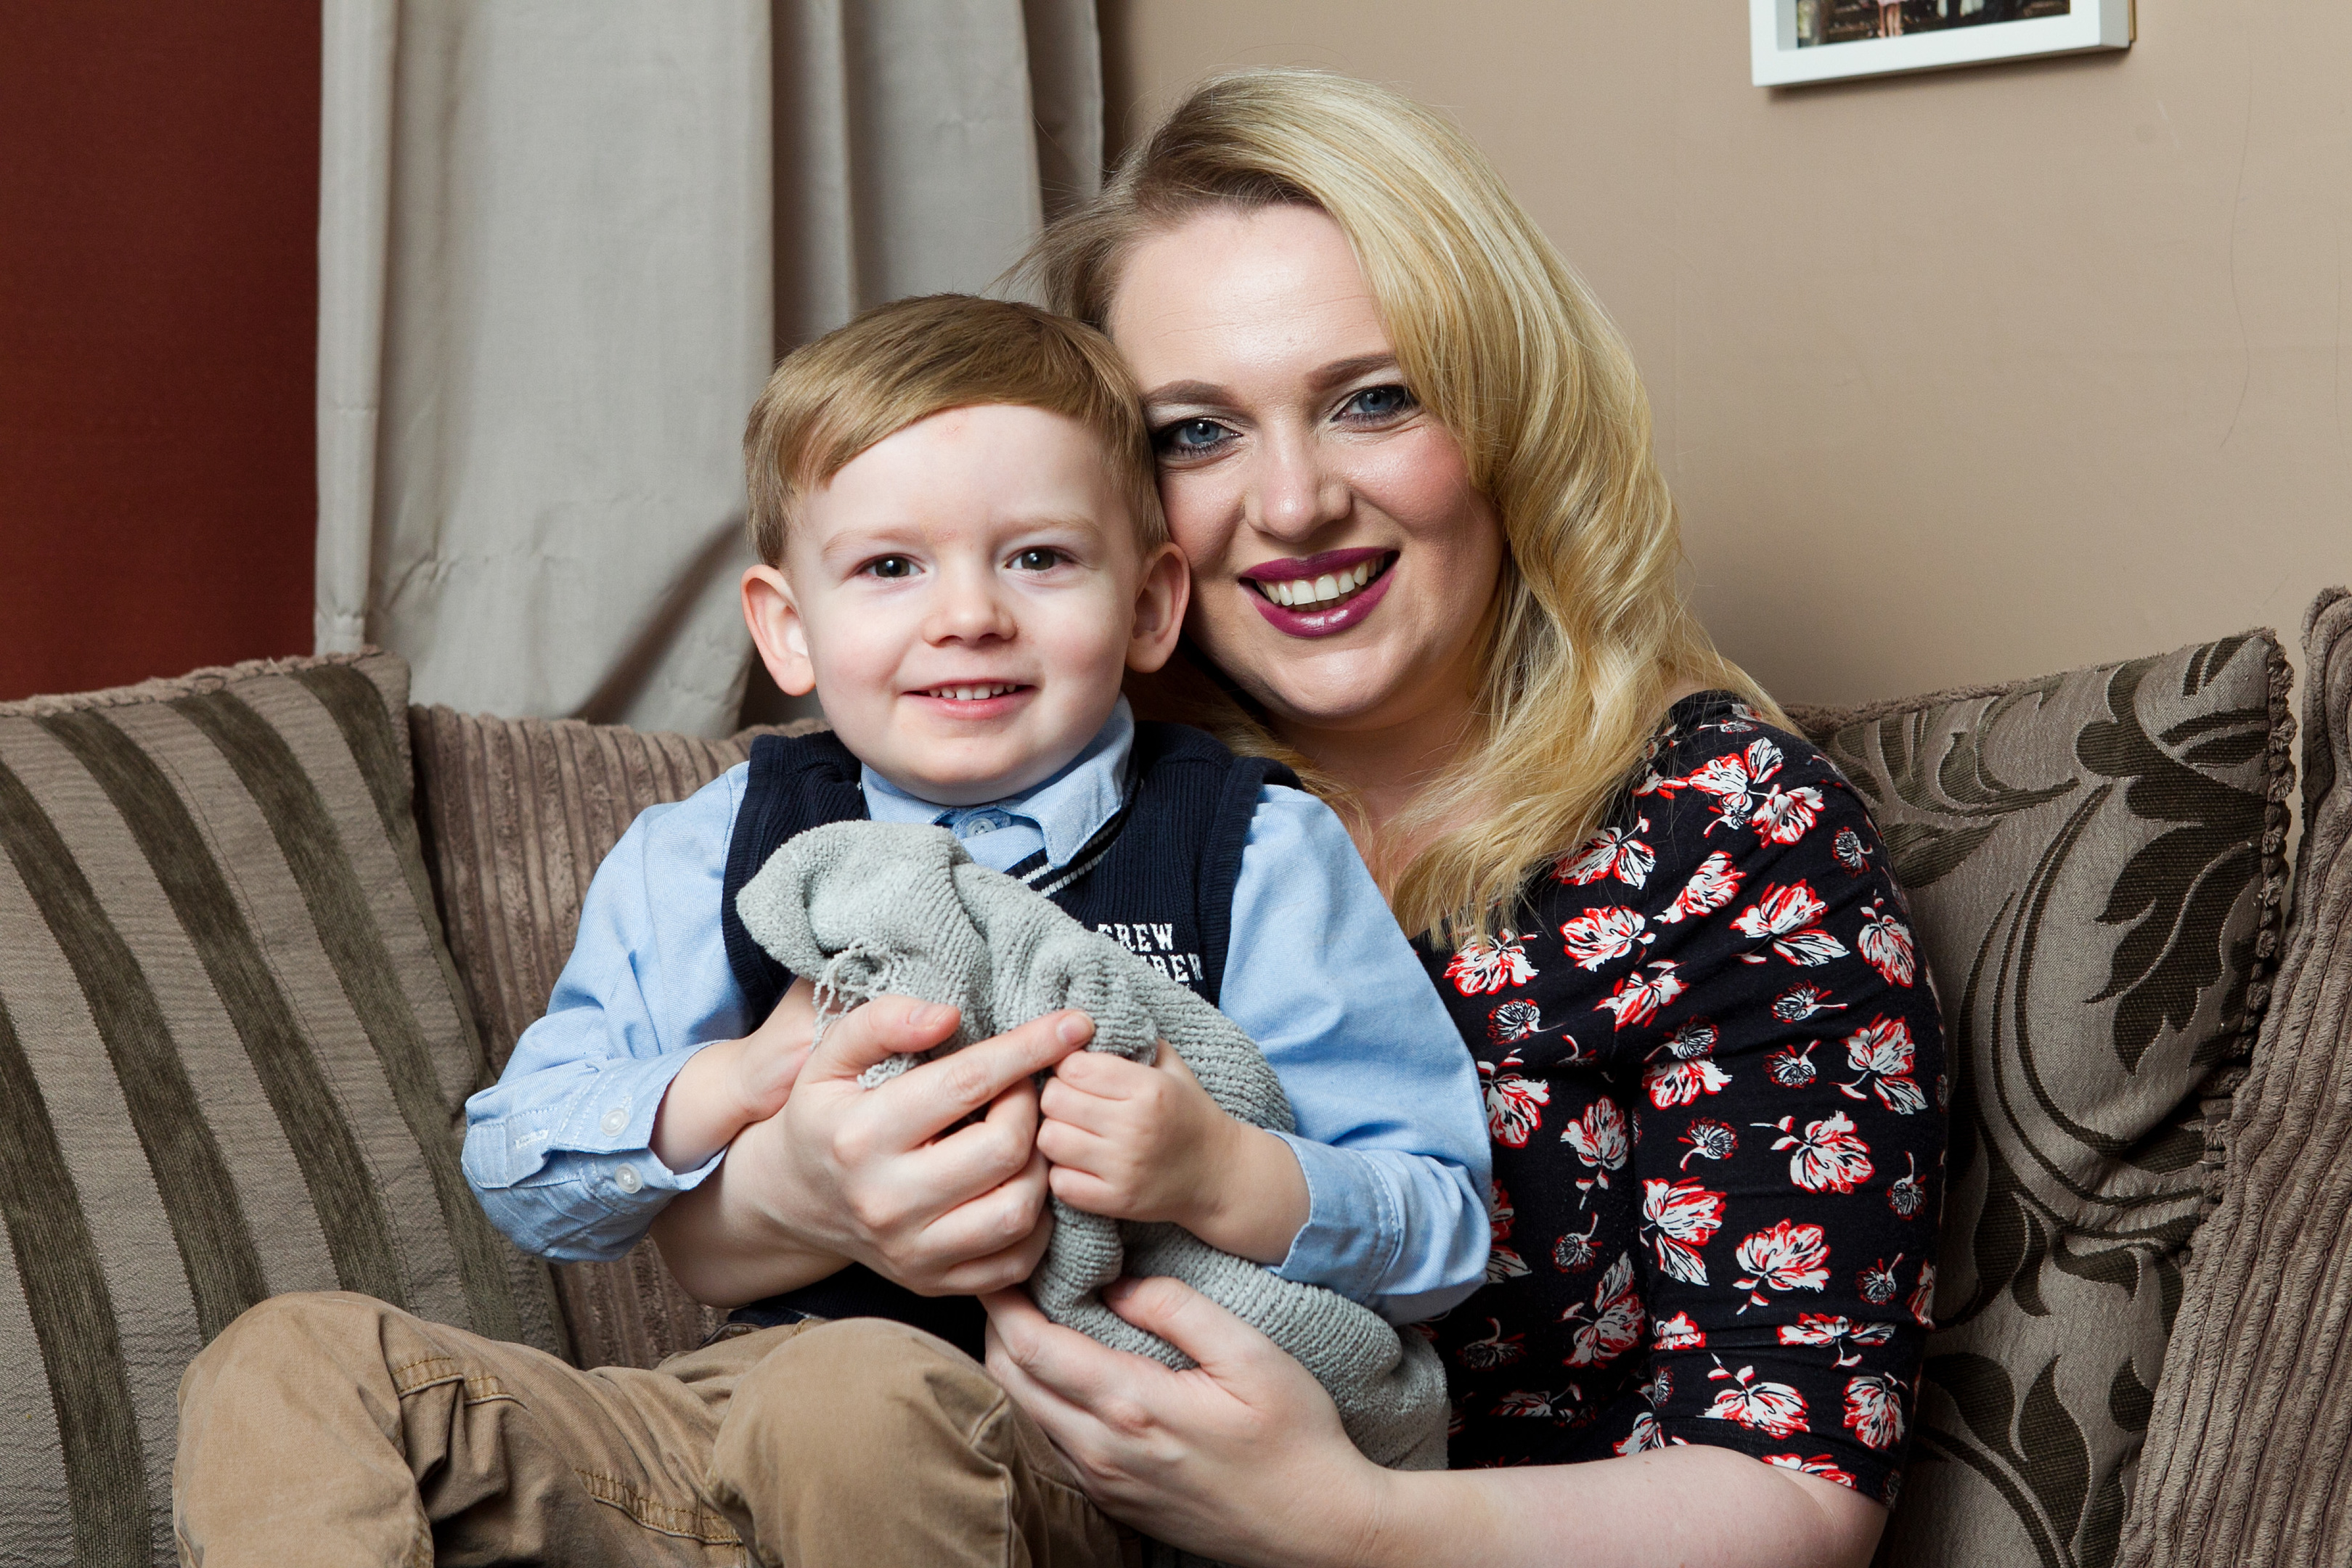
(1502, 341)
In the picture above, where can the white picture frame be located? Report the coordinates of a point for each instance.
(1781, 59)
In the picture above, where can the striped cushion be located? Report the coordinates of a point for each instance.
(233, 1061)
(519, 814)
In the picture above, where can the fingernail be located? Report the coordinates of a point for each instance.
(928, 1014)
(1074, 1028)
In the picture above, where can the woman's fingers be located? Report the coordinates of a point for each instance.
(939, 1094)
(1207, 1333)
(886, 1026)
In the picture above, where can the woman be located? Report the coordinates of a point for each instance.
(1664, 921)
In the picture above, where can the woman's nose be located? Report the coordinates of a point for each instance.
(1293, 492)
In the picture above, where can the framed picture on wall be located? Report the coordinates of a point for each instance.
(1796, 41)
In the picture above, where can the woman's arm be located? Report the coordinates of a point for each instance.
(844, 1174)
(1243, 1458)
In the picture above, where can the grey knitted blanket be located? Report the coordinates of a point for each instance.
(865, 909)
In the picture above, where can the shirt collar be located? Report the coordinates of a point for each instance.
(1068, 808)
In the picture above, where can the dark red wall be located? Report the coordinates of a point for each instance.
(159, 203)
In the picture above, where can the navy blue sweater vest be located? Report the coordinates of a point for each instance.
(1158, 876)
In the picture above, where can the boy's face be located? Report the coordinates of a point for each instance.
(963, 597)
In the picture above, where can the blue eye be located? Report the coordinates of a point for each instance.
(1377, 403)
(1189, 437)
(890, 567)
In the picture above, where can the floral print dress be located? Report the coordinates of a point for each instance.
(1715, 1081)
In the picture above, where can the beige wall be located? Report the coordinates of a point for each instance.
(1959, 377)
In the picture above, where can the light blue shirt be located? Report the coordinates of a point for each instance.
(1391, 1133)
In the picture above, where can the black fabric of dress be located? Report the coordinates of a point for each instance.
(1715, 1082)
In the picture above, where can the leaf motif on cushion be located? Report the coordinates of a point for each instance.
(2174, 947)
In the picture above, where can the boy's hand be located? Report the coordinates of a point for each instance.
(1148, 1143)
(728, 1085)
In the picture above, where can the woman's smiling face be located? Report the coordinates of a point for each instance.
(1342, 564)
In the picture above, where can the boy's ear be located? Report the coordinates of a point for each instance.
(1160, 600)
(773, 615)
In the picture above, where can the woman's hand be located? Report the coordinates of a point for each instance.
(843, 1174)
(1242, 1458)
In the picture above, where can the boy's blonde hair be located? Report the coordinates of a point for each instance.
(1502, 341)
(902, 362)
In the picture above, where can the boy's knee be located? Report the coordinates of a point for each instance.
(304, 1338)
(862, 1387)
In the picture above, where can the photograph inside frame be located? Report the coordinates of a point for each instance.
(1821, 21)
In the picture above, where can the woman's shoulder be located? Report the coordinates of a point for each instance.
(1717, 786)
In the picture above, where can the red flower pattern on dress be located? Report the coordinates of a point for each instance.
(1501, 1262)
(1783, 816)
(1773, 1407)
(1822, 1465)
(1829, 1158)
(1601, 1143)
(1843, 1333)
(1672, 1083)
(1790, 1068)
(1611, 1325)
(1644, 1437)
(1576, 1250)
(1799, 1003)
(1791, 1256)
(1785, 918)
(1709, 1141)
(1514, 1104)
(1885, 945)
(1486, 964)
(1562, 1407)
(1847, 850)
(1613, 853)
(1678, 1334)
(1714, 884)
(1678, 922)
(1498, 1349)
(1881, 1052)
(1639, 996)
(1598, 937)
(1685, 1215)
(1873, 1410)
(1923, 1297)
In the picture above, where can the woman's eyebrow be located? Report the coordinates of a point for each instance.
(1331, 375)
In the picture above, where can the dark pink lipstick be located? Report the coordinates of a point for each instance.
(1325, 592)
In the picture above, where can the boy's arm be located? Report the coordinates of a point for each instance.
(1380, 1193)
(560, 1151)
(1391, 1136)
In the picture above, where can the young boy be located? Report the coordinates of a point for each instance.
(954, 505)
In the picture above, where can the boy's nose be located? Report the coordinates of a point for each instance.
(966, 608)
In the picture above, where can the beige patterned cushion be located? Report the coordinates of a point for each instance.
(233, 1058)
(519, 814)
(2093, 861)
(2248, 1448)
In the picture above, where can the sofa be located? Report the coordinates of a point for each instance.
(263, 928)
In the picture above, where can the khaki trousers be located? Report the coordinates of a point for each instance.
(334, 1429)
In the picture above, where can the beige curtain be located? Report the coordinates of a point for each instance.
(560, 242)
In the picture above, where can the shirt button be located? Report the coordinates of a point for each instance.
(627, 1179)
(974, 827)
(614, 1119)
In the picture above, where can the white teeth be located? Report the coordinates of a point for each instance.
(1298, 592)
(970, 693)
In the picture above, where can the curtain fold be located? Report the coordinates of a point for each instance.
(560, 243)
